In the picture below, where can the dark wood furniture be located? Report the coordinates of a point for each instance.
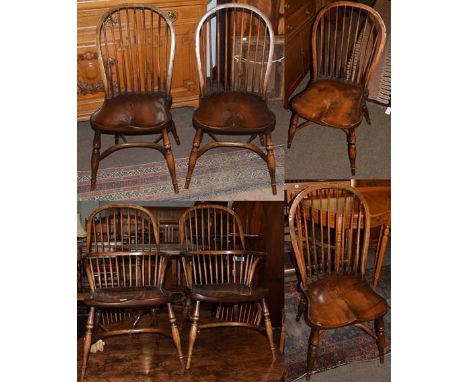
(219, 269)
(347, 42)
(298, 17)
(329, 227)
(184, 15)
(234, 53)
(126, 272)
(136, 45)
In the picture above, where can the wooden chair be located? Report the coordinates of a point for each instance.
(348, 39)
(329, 227)
(126, 274)
(218, 269)
(234, 48)
(136, 45)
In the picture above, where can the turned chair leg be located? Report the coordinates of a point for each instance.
(300, 308)
(262, 140)
(95, 158)
(271, 162)
(174, 133)
(193, 333)
(314, 339)
(268, 328)
(193, 156)
(116, 139)
(352, 149)
(185, 312)
(170, 159)
(292, 128)
(175, 335)
(87, 342)
(380, 332)
(365, 111)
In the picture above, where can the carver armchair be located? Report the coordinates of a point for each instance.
(126, 274)
(218, 269)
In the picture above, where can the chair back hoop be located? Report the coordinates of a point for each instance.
(231, 49)
(136, 48)
(348, 40)
(329, 227)
(122, 248)
(212, 238)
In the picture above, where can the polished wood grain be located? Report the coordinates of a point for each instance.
(219, 269)
(348, 39)
(330, 228)
(234, 50)
(229, 354)
(184, 15)
(136, 47)
(126, 272)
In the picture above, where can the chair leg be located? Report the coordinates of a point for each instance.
(154, 314)
(268, 328)
(175, 335)
(312, 353)
(352, 149)
(95, 158)
(116, 139)
(170, 159)
(380, 332)
(193, 156)
(365, 111)
(300, 308)
(193, 333)
(271, 162)
(87, 342)
(174, 133)
(262, 139)
(292, 128)
(187, 306)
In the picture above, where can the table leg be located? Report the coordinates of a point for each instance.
(381, 248)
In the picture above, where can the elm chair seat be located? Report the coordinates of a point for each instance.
(133, 114)
(129, 297)
(332, 103)
(234, 113)
(337, 301)
(227, 292)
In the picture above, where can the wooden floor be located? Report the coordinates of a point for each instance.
(222, 354)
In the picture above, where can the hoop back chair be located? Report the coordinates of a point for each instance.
(329, 228)
(219, 270)
(234, 49)
(348, 39)
(126, 273)
(136, 45)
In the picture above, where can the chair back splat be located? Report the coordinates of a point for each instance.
(136, 46)
(123, 248)
(214, 239)
(329, 227)
(234, 50)
(348, 39)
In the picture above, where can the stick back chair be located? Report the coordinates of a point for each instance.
(136, 45)
(329, 227)
(348, 39)
(218, 269)
(126, 274)
(234, 49)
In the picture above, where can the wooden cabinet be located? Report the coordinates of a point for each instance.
(298, 17)
(186, 14)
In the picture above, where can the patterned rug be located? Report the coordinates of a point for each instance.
(337, 347)
(380, 87)
(232, 175)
